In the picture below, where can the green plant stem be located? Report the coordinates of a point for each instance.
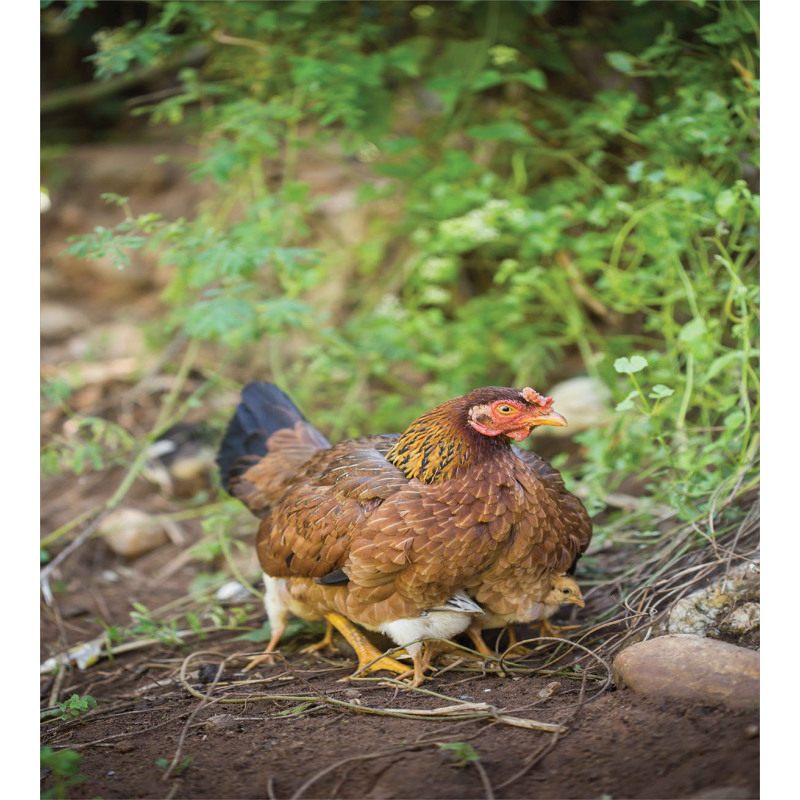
(680, 421)
(68, 526)
(189, 358)
(233, 567)
(659, 435)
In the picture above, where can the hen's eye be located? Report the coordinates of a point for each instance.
(505, 409)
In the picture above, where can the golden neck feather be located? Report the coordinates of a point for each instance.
(436, 444)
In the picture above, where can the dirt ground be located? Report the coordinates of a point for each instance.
(253, 739)
(164, 728)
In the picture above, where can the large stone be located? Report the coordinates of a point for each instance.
(692, 668)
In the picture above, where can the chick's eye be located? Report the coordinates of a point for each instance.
(565, 591)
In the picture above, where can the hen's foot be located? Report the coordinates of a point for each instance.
(326, 643)
(366, 652)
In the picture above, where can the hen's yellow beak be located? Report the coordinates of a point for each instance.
(553, 418)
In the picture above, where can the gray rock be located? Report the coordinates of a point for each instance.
(692, 668)
(728, 605)
(584, 402)
(221, 723)
(744, 619)
(130, 532)
(59, 321)
(233, 592)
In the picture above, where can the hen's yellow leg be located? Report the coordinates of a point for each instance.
(365, 650)
(474, 633)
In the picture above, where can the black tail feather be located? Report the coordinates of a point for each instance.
(263, 410)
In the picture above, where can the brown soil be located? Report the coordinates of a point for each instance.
(616, 744)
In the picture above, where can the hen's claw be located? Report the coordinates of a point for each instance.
(326, 643)
(365, 650)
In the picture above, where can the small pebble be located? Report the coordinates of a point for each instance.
(206, 673)
(233, 591)
(221, 723)
(552, 689)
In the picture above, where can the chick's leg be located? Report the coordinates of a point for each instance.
(365, 650)
(422, 654)
(278, 615)
(268, 656)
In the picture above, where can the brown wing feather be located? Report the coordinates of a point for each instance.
(309, 531)
(571, 510)
(289, 449)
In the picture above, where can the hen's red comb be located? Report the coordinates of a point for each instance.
(536, 399)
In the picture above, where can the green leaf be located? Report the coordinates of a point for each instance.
(534, 78)
(627, 403)
(735, 419)
(488, 78)
(659, 391)
(261, 635)
(62, 762)
(635, 171)
(725, 202)
(464, 752)
(631, 365)
(692, 330)
(622, 62)
(501, 131)
(718, 364)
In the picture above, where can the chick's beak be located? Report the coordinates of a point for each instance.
(579, 601)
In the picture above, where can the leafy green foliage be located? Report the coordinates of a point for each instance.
(144, 625)
(180, 769)
(561, 190)
(71, 708)
(92, 443)
(65, 766)
(463, 752)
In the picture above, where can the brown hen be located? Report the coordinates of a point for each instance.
(397, 532)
